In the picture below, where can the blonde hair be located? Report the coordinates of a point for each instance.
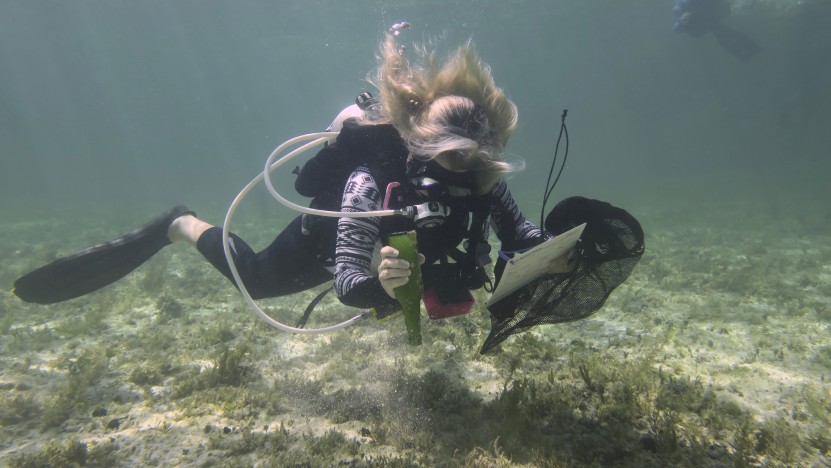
(450, 107)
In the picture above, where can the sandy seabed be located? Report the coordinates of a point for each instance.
(715, 352)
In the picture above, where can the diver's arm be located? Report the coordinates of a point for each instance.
(513, 230)
(511, 227)
(355, 282)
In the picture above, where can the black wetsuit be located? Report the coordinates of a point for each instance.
(295, 261)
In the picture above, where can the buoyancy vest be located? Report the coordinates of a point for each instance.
(379, 147)
(382, 150)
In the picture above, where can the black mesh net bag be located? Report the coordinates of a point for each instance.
(608, 250)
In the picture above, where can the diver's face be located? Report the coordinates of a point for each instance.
(482, 185)
(439, 177)
(445, 162)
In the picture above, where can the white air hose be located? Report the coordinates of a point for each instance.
(318, 139)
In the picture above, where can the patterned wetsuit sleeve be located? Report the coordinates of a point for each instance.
(510, 225)
(355, 283)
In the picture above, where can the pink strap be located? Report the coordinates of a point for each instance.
(390, 187)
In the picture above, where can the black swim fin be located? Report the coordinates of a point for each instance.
(93, 268)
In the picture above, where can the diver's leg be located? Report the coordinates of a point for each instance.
(187, 228)
(102, 264)
(287, 266)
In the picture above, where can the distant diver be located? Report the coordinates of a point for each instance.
(698, 17)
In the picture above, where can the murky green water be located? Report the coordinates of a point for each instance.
(715, 352)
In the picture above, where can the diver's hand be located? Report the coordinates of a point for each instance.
(393, 271)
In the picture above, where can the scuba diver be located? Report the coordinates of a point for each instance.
(698, 17)
(433, 141)
(429, 151)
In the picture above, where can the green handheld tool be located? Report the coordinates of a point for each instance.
(409, 295)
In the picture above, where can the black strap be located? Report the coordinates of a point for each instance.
(309, 308)
(549, 187)
(473, 271)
